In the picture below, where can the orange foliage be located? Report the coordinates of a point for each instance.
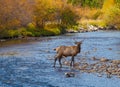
(14, 13)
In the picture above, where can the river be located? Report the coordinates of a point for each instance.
(29, 64)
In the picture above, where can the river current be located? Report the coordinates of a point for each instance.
(29, 64)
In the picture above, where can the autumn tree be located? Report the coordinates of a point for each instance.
(111, 11)
(68, 17)
(41, 13)
(53, 10)
(14, 14)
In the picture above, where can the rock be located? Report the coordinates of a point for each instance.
(111, 27)
(84, 66)
(110, 48)
(76, 64)
(72, 31)
(94, 58)
(101, 28)
(92, 28)
(104, 60)
(66, 63)
(70, 74)
(115, 61)
(99, 75)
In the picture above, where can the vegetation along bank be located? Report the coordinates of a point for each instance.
(35, 18)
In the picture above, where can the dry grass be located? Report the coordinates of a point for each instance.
(98, 22)
(86, 13)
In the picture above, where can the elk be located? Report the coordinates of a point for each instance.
(65, 51)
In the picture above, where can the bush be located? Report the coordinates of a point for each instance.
(68, 18)
(97, 14)
(46, 33)
(4, 34)
(56, 31)
(23, 32)
(31, 26)
(11, 33)
(53, 28)
(112, 16)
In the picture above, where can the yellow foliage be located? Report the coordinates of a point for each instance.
(112, 16)
(86, 12)
(108, 4)
(93, 22)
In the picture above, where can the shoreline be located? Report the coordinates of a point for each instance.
(89, 28)
(39, 38)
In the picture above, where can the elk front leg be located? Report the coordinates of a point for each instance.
(55, 62)
(72, 61)
(60, 62)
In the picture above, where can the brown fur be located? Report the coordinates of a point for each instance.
(64, 51)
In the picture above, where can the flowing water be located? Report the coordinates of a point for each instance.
(29, 64)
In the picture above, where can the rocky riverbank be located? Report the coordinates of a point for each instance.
(100, 67)
(91, 28)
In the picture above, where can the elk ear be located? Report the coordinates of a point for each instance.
(81, 41)
(75, 42)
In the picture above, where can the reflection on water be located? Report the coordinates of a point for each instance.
(29, 64)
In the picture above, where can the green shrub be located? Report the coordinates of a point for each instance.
(9, 33)
(24, 32)
(46, 33)
(50, 32)
(68, 18)
(37, 34)
(4, 34)
(75, 27)
(56, 31)
(54, 28)
(31, 26)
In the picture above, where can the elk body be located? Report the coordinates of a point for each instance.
(65, 51)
